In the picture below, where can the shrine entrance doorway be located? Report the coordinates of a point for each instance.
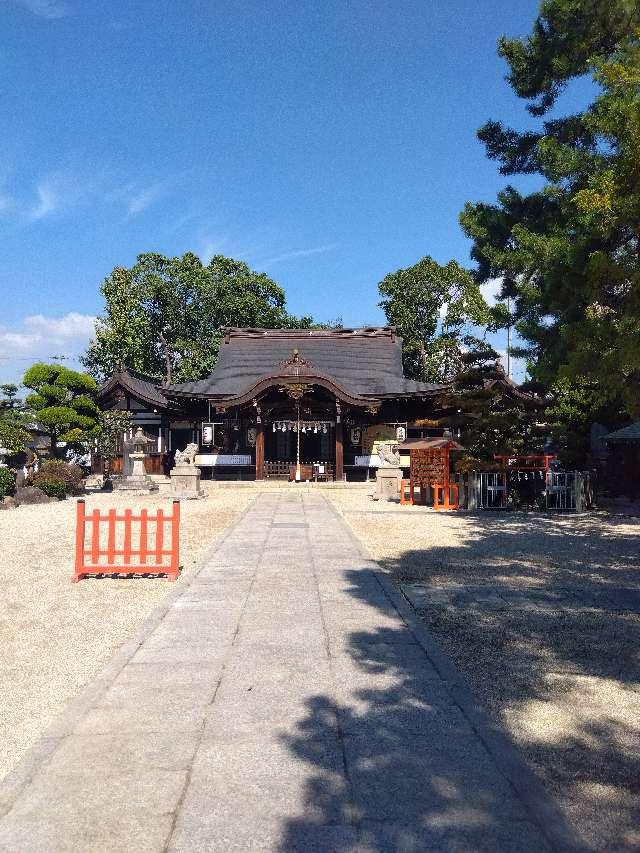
(299, 449)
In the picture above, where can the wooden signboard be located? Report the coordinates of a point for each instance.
(429, 466)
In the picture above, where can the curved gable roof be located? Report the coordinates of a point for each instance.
(364, 362)
(144, 388)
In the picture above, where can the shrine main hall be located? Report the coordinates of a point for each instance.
(286, 404)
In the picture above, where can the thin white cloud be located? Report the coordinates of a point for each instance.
(59, 191)
(37, 337)
(300, 253)
(48, 200)
(142, 199)
(51, 9)
(208, 243)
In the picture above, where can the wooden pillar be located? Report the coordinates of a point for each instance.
(339, 454)
(259, 451)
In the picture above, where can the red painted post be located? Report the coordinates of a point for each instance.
(175, 542)
(79, 566)
(95, 536)
(436, 502)
(126, 547)
(259, 451)
(111, 538)
(159, 536)
(143, 536)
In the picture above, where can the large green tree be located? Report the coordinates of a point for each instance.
(568, 253)
(163, 315)
(430, 305)
(62, 403)
(495, 416)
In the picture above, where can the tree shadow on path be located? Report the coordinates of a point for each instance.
(417, 773)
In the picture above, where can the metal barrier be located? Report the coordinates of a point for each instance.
(120, 544)
(492, 490)
(553, 490)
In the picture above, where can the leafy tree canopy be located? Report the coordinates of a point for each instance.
(62, 403)
(163, 315)
(14, 435)
(568, 253)
(429, 304)
(494, 415)
(111, 428)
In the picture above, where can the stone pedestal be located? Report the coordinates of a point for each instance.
(388, 482)
(185, 482)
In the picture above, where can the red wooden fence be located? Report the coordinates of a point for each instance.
(138, 559)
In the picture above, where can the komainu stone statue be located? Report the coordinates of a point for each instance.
(185, 477)
(186, 456)
(389, 456)
(389, 474)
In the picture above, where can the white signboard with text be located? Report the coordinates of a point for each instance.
(214, 459)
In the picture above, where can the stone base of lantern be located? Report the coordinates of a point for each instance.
(140, 483)
(388, 481)
(185, 482)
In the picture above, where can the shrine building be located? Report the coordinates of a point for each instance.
(285, 404)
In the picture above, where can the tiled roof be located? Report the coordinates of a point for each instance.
(143, 387)
(365, 362)
(628, 433)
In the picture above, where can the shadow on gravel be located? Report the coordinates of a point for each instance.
(418, 778)
(542, 615)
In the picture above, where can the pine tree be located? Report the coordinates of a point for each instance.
(569, 253)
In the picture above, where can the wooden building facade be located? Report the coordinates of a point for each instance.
(281, 403)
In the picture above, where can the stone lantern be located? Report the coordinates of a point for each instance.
(138, 480)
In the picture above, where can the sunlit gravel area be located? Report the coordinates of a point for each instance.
(56, 635)
(542, 615)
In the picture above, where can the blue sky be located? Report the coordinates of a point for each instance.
(324, 143)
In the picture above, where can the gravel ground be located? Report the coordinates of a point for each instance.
(56, 635)
(542, 614)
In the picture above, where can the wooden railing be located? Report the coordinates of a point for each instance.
(277, 470)
(122, 554)
(308, 471)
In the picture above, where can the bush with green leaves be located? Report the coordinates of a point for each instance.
(13, 436)
(63, 405)
(7, 482)
(70, 475)
(52, 486)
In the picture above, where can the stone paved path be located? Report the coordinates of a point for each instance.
(285, 702)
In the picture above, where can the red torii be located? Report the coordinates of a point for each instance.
(526, 461)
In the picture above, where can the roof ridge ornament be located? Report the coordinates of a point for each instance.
(296, 365)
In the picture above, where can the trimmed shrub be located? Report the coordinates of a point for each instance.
(7, 482)
(70, 475)
(50, 485)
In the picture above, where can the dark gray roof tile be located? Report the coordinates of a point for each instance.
(365, 362)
